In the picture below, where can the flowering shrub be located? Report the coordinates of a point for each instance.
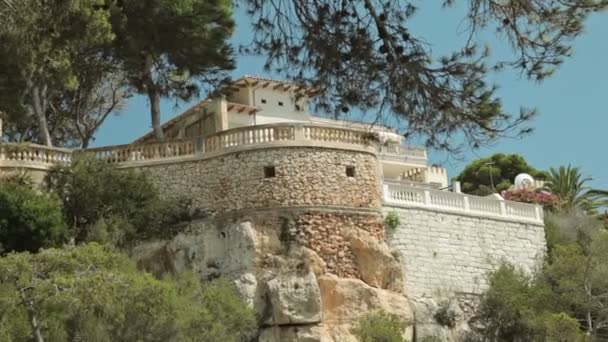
(548, 200)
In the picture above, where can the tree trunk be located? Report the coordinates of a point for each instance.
(40, 112)
(154, 97)
(35, 325)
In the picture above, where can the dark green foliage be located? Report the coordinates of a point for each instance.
(167, 47)
(475, 178)
(102, 202)
(380, 327)
(91, 293)
(445, 316)
(392, 220)
(368, 55)
(570, 185)
(567, 301)
(29, 220)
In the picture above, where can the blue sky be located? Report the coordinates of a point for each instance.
(572, 127)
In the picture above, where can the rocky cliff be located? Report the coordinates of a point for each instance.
(309, 275)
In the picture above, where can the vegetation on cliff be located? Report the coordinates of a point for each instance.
(92, 293)
(566, 300)
(57, 286)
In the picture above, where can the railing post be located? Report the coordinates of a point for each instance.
(199, 145)
(386, 192)
(503, 208)
(467, 205)
(538, 212)
(298, 132)
(456, 187)
(427, 197)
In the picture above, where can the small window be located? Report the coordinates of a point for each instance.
(298, 108)
(350, 171)
(281, 103)
(269, 172)
(263, 101)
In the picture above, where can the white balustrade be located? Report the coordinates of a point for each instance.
(409, 196)
(233, 138)
(144, 152)
(33, 155)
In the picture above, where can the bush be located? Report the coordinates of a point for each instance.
(392, 220)
(95, 194)
(445, 316)
(380, 327)
(91, 293)
(29, 220)
(546, 200)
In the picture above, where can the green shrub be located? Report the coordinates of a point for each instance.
(445, 316)
(95, 194)
(29, 220)
(392, 220)
(380, 327)
(92, 293)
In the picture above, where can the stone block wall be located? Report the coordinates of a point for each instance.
(445, 254)
(326, 233)
(303, 176)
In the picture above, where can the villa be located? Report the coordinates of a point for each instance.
(260, 148)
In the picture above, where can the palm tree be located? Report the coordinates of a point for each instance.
(570, 186)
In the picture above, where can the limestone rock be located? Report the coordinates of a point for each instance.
(294, 299)
(314, 261)
(436, 328)
(247, 285)
(377, 266)
(301, 333)
(345, 301)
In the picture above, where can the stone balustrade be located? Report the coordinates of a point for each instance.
(32, 156)
(411, 196)
(399, 153)
(142, 152)
(233, 139)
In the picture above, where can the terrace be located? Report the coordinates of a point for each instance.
(407, 191)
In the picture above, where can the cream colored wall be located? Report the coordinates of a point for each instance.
(434, 174)
(243, 96)
(272, 112)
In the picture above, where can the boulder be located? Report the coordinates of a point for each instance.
(346, 300)
(439, 320)
(377, 266)
(294, 298)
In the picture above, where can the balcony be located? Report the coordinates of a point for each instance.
(458, 203)
(32, 156)
(396, 153)
(237, 139)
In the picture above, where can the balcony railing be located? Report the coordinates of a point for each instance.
(405, 154)
(33, 156)
(231, 139)
(409, 196)
(413, 184)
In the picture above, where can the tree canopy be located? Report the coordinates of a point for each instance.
(91, 293)
(475, 177)
(165, 46)
(569, 184)
(44, 48)
(364, 54)
(29, 220)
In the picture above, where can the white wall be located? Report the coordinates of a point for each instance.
(272, 111)
(448, 253)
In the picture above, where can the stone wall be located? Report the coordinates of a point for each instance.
(327, 234)
(303, 176)
(445, 254)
